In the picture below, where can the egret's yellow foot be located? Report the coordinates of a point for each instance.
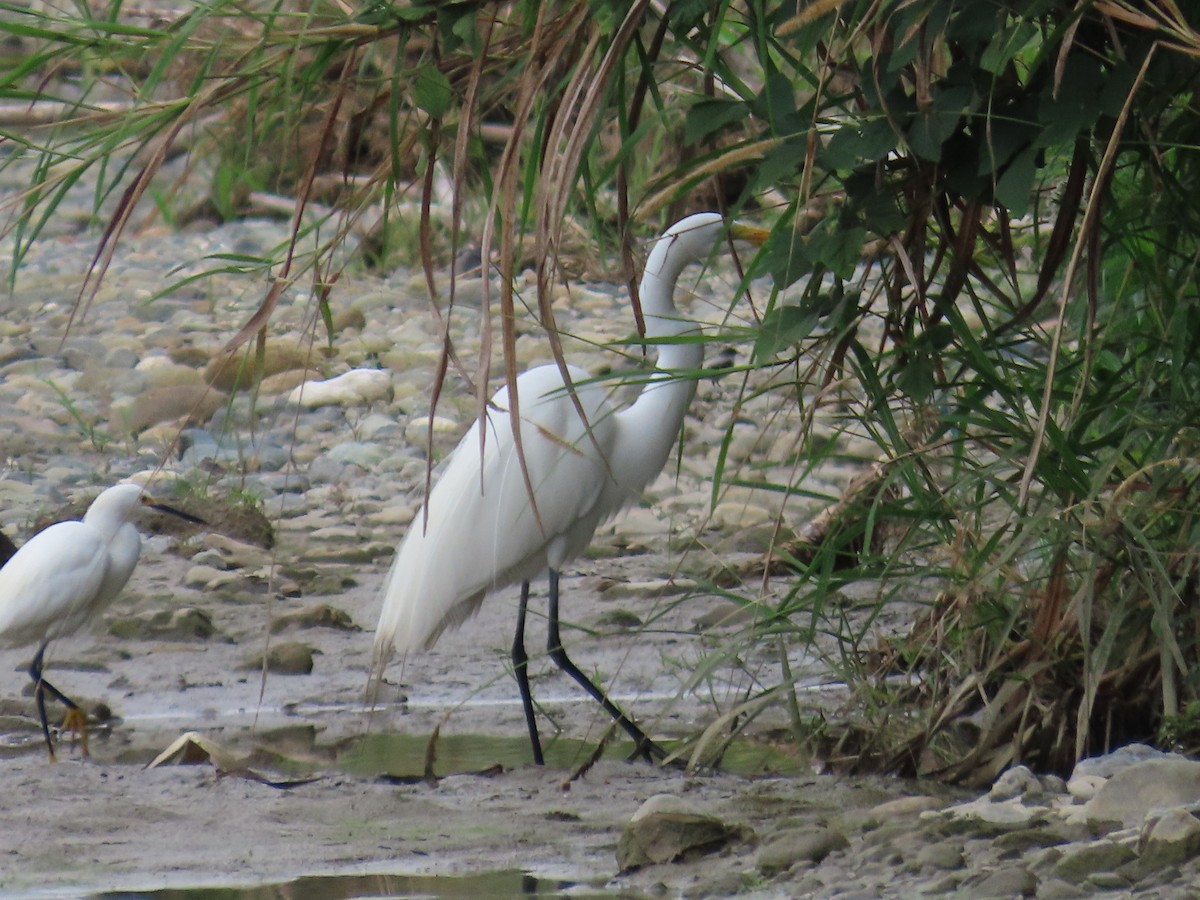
(75, 721)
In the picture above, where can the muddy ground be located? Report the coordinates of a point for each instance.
(313, 784)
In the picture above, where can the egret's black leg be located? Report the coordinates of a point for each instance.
(39, 695)
(520, 661)
(75, 718)
(644, 746)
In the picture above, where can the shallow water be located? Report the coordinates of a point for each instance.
(343, 887)
(403, 755)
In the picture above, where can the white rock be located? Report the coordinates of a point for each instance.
(416, 432)
(155, 361)
(1083, 787)
(1122, 758)
(392, 516)
(904, 808)
(358, 387)
(1007, 814)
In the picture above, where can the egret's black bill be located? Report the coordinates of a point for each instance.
(187, 517)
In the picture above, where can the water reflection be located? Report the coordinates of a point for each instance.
(404, 755)
(343, 887)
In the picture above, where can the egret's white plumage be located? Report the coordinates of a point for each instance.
(64, 576)
(479, 530)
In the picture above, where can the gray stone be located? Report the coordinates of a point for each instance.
(1057, 889)
(1108, 881)
(1080, 863)
(192, 403)
(1053, 784)
(121, 358)
(1014, 881)
(1170, 841)
(799, 845)
(724, 884)
(186, 624)
(1128, 795)
(209, 578)
(619, 620)
(282, 482)
(287, 658)
(667, 828)
(324, 470)
(379, 426)
(1020, 842)
(943, 886)
(364, 454)
(886, 834)
(945, 857)
(226, 552)
(1044, 859)
(211, 559)
(320, 615)
(1016, 782)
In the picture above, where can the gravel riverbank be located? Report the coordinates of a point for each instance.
(328, 787)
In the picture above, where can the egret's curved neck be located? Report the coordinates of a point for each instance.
(107, 524)
(657, 294)
(651, 424)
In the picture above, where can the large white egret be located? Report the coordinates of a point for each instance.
(479, 530)
(63, 577)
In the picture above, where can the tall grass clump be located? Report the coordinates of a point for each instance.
(983, 266)
(1020, 342)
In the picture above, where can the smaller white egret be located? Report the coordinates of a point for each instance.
(479, 530)
(63, 577)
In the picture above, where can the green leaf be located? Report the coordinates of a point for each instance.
(838, 249)
(466, 29)
(931, 128)
(870, 204)
(417, 12)
(780, 163)
(1015, 187)
(786, 325)
(863, 140)
(915, 377)
(785, 257)
(1002, 140)
(776, 104)
(431, 90)
(709, 116)
(1007, 44)
(688, 14)
(782, 327)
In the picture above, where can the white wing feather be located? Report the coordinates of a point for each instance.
(482, 532)
(49, 587)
